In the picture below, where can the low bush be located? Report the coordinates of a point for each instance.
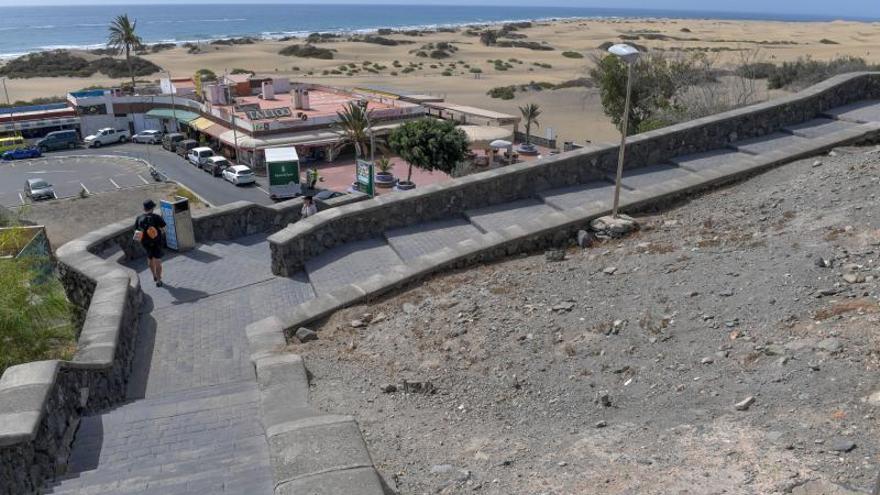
(806, 71)
(307, 51)
(36, 321)
(503, 92)
(158, 47)
(61, 63)
(756, 70)
(570, 54)
(531, 45)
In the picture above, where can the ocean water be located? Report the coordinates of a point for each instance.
(28, 29)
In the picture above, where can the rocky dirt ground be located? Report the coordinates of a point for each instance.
(731, 346)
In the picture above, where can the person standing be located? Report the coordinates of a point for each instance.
(309, 208)
(149, 230)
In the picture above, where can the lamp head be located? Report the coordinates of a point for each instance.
(626, 52)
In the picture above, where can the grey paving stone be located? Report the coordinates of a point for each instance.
(768, 143)
(349, 263)
(819, 127)
(583, 194)
(645, 177)
(414, 241)
(499, 217)
(715, 159)
(862, 112)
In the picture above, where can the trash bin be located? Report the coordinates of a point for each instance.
(179, 227)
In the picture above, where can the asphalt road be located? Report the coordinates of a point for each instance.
(215, 190)
(70, 175)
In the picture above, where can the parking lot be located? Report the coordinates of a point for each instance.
(214, 190)
(71, 174)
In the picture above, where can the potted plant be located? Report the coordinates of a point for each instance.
(384, 177)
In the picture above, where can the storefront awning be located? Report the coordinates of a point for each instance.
(171, 113)
(200, 123)
(215, 130)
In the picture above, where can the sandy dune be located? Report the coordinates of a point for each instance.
(575, 114)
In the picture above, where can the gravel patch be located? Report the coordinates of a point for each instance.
(730, 346)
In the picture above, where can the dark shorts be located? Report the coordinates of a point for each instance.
(154, 251)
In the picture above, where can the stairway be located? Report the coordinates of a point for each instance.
(195, 441)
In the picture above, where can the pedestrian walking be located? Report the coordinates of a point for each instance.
(309, 208)
(149, 230)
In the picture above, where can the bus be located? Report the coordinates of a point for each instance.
(11, 142)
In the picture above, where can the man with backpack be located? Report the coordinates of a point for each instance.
(149, 230)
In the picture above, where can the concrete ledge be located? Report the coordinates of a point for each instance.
(310, 452)
(359, 481)
(317, 445)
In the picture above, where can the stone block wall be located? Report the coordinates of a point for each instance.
(295, 244)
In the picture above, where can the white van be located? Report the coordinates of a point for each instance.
(198, 156)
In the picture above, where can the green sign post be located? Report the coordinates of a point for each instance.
(365, 177)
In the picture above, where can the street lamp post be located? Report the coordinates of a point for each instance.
(629, 55)
(231, 103)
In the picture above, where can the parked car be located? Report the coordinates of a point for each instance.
(239, 174)
(328, 194)
(107, 135)
(58, 140)
(197, 156)
(37, 189)
(183, 147)
(149, 136)
(169, 141)
(215, 165)
(22, 153)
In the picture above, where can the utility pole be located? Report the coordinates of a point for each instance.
(173, 106)
(9, 104)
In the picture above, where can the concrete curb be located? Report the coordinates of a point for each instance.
(310, 452)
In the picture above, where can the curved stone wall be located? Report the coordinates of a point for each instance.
(41, 402)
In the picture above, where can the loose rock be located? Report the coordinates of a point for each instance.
(306, 335)
(744, 404)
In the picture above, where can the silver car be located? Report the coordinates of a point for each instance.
(148, 137)
(37, 189)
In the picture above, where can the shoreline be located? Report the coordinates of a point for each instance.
(270, 36)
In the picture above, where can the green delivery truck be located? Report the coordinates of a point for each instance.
(282, 168)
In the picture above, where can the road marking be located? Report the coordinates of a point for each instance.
(86, 189)
(20, 198)
(261, 189)
(141, 178)
(113, 182)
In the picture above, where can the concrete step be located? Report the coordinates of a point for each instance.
(861, 112)
(499, 217)
(350, 262)
(416, 240)
(565, 198)
(819, 127)
(770, 143)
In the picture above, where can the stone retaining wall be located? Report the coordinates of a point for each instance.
(297, 243)
(42, 402)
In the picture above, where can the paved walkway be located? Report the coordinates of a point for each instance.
(193, 423)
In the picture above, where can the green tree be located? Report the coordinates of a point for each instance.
(124, 39)
(656, 80)
(353, 126)
(530, 114)
(429, 144)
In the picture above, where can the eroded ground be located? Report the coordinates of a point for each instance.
(617, 371)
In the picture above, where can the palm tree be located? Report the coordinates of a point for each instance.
(353, 126)
(530, 114)
(124, 39)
